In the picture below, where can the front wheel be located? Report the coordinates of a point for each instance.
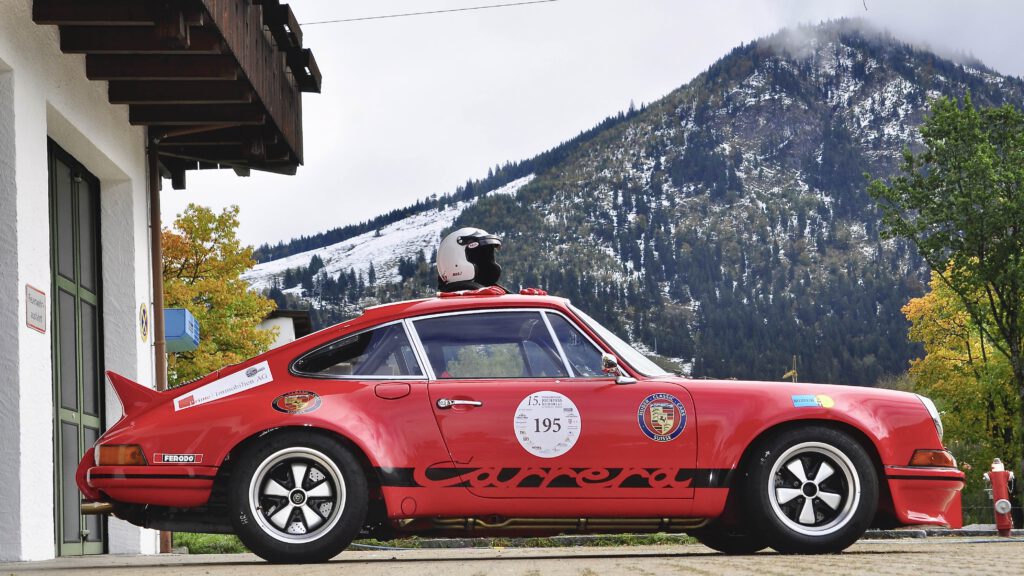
(732, 540)
(299, 497)
(813, 490)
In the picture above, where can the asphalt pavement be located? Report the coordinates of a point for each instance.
(909, 556)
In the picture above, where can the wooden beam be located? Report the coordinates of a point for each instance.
(283, 26)
(304, 69)
(108, 12)
(160, 67)
(134, 40)
(183, 92)
(204, 114)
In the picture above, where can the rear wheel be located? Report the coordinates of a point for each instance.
(813, 490)
(298, 497)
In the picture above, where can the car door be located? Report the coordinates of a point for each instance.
(525, 412)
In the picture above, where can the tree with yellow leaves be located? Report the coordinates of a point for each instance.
(970, 380)
(202, 266)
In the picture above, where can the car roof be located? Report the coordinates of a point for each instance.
(440, 305)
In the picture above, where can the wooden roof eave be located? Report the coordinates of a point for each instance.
(213, 88)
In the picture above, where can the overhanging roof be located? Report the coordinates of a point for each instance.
(217, 82)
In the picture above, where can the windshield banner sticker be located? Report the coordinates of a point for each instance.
(547, 424)
(238, 382)
(813, 401)
(662, 417)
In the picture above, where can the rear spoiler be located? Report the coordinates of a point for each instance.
(134, 396)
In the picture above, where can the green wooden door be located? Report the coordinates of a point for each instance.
(77, 344)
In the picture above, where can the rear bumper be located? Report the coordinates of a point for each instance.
(178, 486)
(926, 495)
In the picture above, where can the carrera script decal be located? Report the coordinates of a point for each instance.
(547, 424)
(233, 384)
(553, 477)
(444, 475)
(298, 402)
(159, 458)
(662, 417)
(813, 401)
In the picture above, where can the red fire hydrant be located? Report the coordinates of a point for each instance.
(1000, 479)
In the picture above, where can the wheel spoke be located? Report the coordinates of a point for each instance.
(274, 488)
(824, 472)
(831, 499)
(321, 490)
(280, 518)
(299, 473)
(796, 468)
(784, 495)
(312, 518)
(807, 513)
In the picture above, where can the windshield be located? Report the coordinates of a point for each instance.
(624, 351)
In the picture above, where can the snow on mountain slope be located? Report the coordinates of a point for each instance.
(419, 233)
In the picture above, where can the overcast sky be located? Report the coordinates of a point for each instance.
(416, 106)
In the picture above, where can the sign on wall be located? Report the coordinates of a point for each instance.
(35, 308)
(144, 322)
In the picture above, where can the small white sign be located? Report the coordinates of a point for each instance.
(547, 424)
(240, 381)
(35, 308)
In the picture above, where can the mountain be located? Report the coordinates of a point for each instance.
(726, 226)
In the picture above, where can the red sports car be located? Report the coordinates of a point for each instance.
(513, 415)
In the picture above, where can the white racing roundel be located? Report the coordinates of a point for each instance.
(547, 424)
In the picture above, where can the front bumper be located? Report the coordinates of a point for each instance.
(178, 486)
(926, 495)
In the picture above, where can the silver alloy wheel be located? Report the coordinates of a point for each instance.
(297, 495)
(814, 488)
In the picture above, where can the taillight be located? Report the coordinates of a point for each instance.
(120, 455)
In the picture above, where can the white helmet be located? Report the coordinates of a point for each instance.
(466, 258)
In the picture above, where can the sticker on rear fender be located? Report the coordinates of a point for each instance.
(160, 458)
(229, 385)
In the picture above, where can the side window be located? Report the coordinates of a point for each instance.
(382, 352)
(490, 345)
(584, 358)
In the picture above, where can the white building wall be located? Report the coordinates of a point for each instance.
(285, 330)
(53, 98)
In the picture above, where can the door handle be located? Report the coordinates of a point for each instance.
(445, 403)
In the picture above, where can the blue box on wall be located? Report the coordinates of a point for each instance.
(181, 330)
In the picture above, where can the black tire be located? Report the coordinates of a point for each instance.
(284, 521)
(811, 490)
(734, 541)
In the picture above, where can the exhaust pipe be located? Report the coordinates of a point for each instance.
(89, 508)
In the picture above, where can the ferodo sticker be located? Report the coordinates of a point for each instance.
(238, 382)
(159, 458)
(662, 417)
(813, 401)
(298, 402)
(547, 424)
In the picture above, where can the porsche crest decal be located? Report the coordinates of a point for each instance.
(662, 417)
(298, 402)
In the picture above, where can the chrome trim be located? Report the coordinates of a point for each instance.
(558, 345)
(421, 352)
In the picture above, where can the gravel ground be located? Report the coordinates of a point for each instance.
(910, 556)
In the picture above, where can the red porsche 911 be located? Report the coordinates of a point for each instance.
(512, 415)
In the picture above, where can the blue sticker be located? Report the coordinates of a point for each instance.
(813, 401)
(662, 417)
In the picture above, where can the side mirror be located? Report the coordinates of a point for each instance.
(610, 366)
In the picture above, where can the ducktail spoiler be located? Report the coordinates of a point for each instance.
(134, 396)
